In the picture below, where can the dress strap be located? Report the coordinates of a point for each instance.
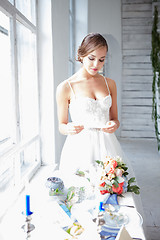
(71, 88)
(107, 84)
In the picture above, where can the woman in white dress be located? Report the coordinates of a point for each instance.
(91, 100)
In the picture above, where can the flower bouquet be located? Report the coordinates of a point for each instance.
(114, 177)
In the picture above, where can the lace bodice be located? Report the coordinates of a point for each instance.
(90, 112)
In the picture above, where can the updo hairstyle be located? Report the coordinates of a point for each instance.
(90, 43)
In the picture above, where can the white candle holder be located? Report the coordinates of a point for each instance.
(28, 227)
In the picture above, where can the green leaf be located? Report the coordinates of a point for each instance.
(131, 180)
(56, 192)
(134, 189)
(82, 189)
(155, 57)
(100, 162)
(115, 183)
(68, 230)
(80, 173)
(125, 174)
(70, 193)
(125, 168)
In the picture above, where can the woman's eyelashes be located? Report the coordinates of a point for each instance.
(92, 59)
(101, 60)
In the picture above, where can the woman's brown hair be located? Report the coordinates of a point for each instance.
(90, 43)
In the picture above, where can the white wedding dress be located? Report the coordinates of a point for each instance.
(81, 150)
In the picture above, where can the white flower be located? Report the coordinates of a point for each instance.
(108, 182)
(120, 179)
(118, 158)
(107, 168)
(118, 172)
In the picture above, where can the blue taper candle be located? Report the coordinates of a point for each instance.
(28, 205)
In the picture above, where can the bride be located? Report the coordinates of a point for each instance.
(91, 100)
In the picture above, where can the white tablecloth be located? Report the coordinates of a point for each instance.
(49, 218)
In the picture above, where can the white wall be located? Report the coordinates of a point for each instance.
(60, 33)
(45, 74)
(53, 55)
(81, 25)
(104, 16)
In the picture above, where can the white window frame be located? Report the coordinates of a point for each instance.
(71, 36)
(10, 10)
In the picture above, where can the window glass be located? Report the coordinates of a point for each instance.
(27, 8)
(6, 181)
(13, 170)
(7, 129)
(29, 158)
(28, 85)
(19, 103)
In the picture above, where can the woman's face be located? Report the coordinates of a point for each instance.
(94, 61)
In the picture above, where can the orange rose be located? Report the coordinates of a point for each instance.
(104, 191)
(113, 163)
(112, 169)
(119, 189)
(102, 184)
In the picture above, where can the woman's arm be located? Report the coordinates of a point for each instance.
(63, 97)
(62, 107)
(113, 124)
(114, 109)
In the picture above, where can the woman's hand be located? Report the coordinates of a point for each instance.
(111, 127)
(73, 128)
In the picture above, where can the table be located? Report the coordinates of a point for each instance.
(48, 218)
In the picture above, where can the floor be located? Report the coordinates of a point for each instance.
(145, 161)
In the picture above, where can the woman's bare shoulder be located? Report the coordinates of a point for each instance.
(111, 83)
(63, 88)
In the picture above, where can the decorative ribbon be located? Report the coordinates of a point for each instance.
(106, 231)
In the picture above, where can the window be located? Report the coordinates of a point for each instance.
(27, 80)
(27, 8)
(71, 38)
(7, 128)
(19, 98)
